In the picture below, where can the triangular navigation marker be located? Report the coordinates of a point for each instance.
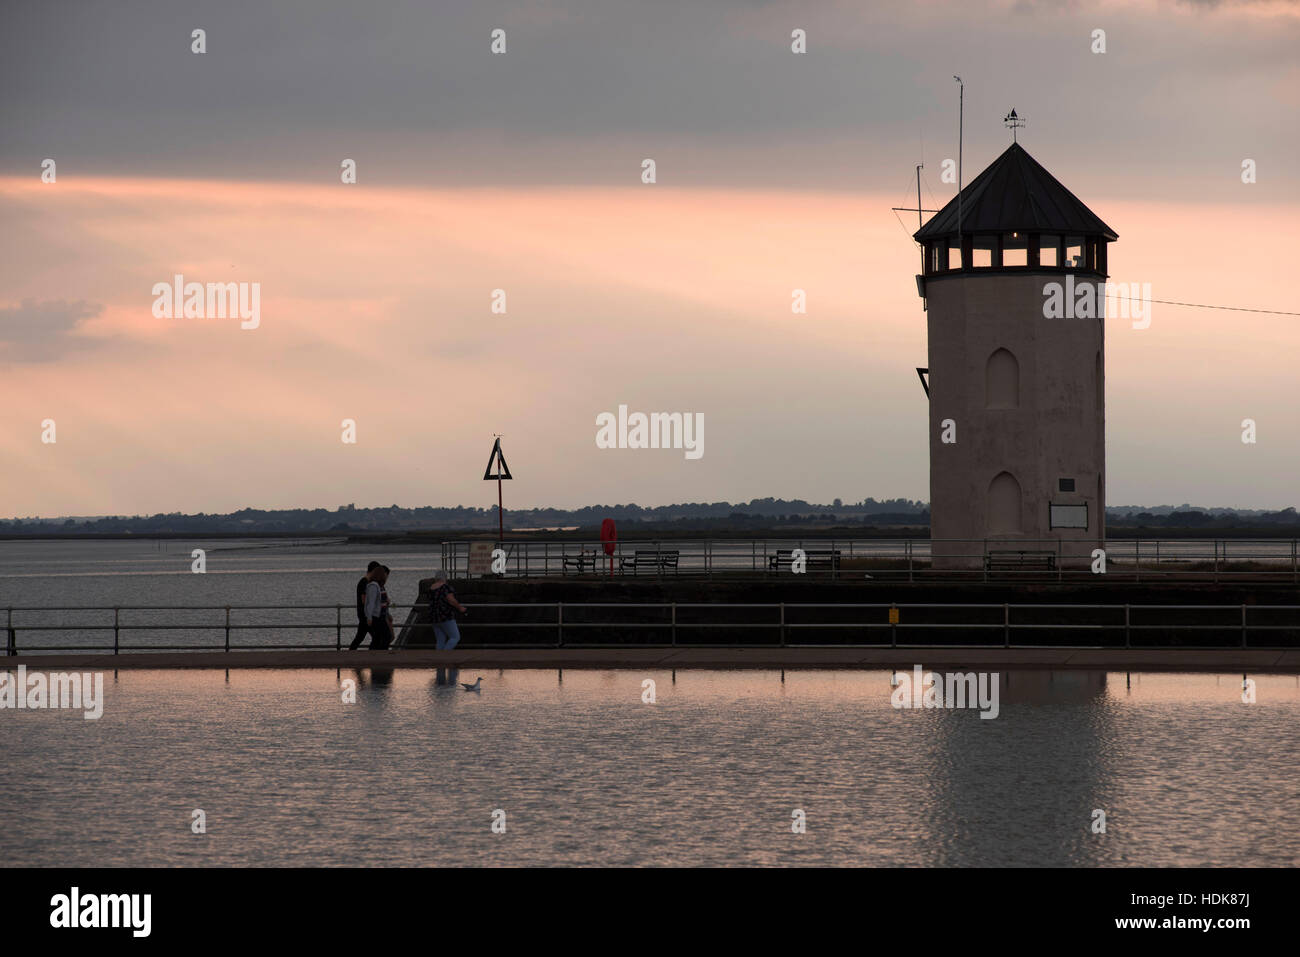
(503, 470)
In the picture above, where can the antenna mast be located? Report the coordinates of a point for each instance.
(919, 167)
(961, 112)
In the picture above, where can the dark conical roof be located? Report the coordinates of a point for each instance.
(1015, 194)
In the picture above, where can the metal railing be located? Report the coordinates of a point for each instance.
(222, 627)
(1151, 560)
(669, 624)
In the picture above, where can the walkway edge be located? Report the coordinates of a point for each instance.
(1284, 661)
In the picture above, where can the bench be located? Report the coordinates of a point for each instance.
(580, 562)
(1015, 559)
(656, 560)
(816, 558)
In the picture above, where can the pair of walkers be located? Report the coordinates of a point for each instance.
(374, 618)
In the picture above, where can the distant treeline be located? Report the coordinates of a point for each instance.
(1185, 517)
(349, 518)
(759, 513)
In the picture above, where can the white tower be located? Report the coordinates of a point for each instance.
(1017, 400)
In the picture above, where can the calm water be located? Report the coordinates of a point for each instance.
(709, 774)
(51, 576)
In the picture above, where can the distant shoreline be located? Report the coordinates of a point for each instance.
(631, 532)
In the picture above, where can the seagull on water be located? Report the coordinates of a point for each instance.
(476, 686)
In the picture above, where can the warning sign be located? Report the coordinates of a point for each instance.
(499, 460)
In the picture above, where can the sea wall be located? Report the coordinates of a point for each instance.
(822, 611)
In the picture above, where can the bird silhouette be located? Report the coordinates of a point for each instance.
(476, 686)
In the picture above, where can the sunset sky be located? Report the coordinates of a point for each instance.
(522, 172)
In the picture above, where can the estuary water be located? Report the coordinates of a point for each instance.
(582, 770)
(47, 581)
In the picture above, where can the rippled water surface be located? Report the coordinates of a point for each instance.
(586, 773)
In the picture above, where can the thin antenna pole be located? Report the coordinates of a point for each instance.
(961, 115)
(919, 167)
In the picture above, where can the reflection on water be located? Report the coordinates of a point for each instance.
(409, 774)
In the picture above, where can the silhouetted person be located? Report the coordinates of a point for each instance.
(390, 630)
(377, 618)
(363, 626)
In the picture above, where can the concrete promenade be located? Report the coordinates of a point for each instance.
(640, 658)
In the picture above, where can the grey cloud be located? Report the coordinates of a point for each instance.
(588, 88)
(41, 330)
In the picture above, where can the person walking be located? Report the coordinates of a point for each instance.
(363, 627)
(384, 605)
(377, 618)
(385, 611)
(445, 606)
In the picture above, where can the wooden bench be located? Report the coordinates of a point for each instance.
(1017, 559)
(655, 560)
(816, 558)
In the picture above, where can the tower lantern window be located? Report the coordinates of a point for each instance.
(1049, 250)
(1074, 253)
(1015, 249)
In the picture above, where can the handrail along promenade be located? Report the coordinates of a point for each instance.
(670, 624)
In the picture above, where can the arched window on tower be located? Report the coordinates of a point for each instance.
(1004, 505)
(1002, 381)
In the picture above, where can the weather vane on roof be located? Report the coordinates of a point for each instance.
(1013, 122)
